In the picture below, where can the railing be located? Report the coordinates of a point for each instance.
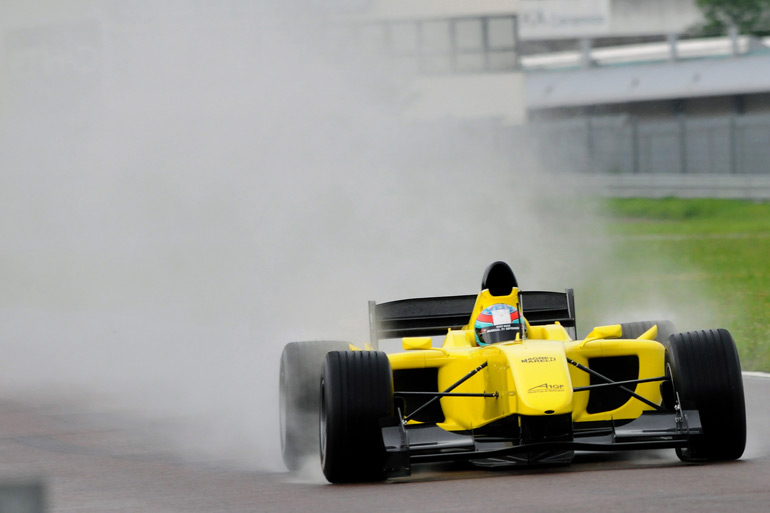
(671, 48)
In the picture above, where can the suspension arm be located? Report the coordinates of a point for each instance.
(448, 394)
(455, 385)
(618, 383)
(613, 383)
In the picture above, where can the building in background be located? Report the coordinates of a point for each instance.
(623, 88)
(461, 57)
(621, 84)
(546, 24)
(469, 58)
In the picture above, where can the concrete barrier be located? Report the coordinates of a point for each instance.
(748, 187)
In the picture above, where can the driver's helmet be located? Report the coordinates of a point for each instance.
(497, 323)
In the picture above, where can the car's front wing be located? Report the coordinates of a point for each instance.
(407, 444)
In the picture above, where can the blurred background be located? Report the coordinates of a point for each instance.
(188, 185)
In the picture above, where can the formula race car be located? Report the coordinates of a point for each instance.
(509, 385)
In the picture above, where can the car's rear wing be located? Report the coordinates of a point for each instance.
(422, 317)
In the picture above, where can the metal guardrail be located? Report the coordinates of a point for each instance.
(745, 187)
(669, 48)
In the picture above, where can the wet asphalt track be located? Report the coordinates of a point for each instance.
(87, 467)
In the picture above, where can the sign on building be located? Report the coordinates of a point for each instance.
(557, 19)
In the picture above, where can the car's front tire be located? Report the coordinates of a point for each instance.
(707, 377)
(356, 395)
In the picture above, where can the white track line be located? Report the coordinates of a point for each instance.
(763, 375)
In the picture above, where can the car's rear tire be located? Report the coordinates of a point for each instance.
(356, 394)
(635, 329)
(299, 398)
(707, 377)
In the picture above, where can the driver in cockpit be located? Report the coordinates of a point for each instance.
(497, 323)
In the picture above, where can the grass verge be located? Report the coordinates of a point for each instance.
(704, 262)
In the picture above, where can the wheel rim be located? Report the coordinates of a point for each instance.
(322, 424)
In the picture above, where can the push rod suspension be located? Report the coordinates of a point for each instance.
(618, 383)
(609, 381)
(448, 394)
(457, 384)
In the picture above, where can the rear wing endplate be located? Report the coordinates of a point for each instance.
(422, 317)
(540, 307)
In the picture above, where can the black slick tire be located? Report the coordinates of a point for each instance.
(707, 377)
(635, 329)
(299, 399)
(357, 394)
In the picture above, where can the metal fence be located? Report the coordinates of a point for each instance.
(737, 144)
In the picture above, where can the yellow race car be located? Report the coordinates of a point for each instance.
(509, 385)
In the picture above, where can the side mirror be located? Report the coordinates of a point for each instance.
(601, 332)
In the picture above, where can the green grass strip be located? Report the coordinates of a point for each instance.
(703, 263)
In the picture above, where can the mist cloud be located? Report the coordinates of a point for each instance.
(182, 195)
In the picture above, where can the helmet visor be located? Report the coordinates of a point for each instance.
(498, 333)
